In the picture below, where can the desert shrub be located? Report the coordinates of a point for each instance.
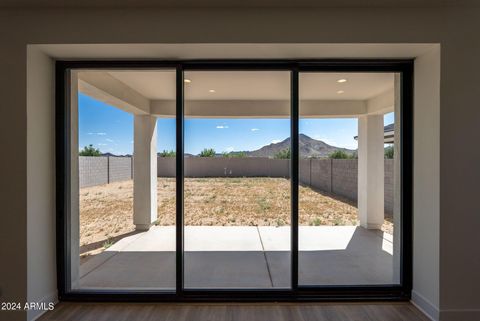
(207, 152)
(236, 155)
(340, 154)
(283, 154)
(167, 153)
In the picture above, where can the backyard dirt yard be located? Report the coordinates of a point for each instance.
(106, 210)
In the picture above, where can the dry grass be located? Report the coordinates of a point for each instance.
(106, 210)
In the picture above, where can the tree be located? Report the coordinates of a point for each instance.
(340, 154)
(389, 152)
(167, 153)
(207, 152)
(283, 154)
(90, 151)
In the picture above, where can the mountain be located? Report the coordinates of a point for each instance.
(113, 155)
(308, 146)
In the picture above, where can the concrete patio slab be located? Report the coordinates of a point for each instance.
(311, 238)
(344, 268)
(197, 238)
(133, 270)
(279, 268)
(243, 257)
(97, 260)
(222, 238)
(221, 269)
(157, 239)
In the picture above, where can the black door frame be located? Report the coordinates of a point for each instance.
(401, 291)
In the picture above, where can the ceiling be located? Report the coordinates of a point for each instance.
(256, 85)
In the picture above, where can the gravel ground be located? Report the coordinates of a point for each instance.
(106, 210)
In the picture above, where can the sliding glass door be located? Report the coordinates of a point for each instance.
(236, 187)
(349, 218)
(122, 173)
(239, 180)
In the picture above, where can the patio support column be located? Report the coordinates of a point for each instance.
(144, 171)
(370, 171)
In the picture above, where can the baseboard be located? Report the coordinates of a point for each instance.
(424, 305)
(35, 314)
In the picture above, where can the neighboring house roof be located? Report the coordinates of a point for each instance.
(388, 134)
(388, 128)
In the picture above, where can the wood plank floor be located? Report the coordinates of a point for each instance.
(234, 312)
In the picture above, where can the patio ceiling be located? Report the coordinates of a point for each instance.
(235, 94)
(255, 85)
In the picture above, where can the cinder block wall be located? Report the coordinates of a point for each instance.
(93, 170)
(305, 172)
(100, 170)
(335, 176)
(166, 167)
(345, 178)
(340, 177)
(120, 169)
(388, 185)
(321, 174)
(226, 167)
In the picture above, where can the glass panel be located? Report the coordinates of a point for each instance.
(237, 188)
(123, 204)
(349, 184)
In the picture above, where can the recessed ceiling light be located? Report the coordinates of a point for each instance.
(340, 92)
(187, 80)
(211, 91)
(342, 80)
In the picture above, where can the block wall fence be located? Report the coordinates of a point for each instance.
(333, 176)
(104, 169)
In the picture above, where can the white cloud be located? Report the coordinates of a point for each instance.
(222, 126)
(102, 144)
(99, 134)
(275, 141)
(229, 149)
(109, 140)
(254, 129)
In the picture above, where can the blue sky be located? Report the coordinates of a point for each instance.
(111, 130)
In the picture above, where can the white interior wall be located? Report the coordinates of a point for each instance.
(41, 263)
(426, 267)
(426, 182)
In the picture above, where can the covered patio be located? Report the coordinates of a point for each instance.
(243, 257)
